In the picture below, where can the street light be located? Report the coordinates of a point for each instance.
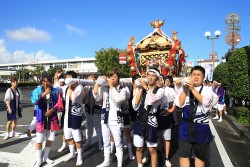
(216, 34)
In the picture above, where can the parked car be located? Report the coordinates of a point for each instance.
(8, 81)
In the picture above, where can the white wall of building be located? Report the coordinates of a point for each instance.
(82, 66)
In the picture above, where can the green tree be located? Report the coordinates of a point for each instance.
(51, 72)
(23, 75)
(221, 74)
(239, 73)
(38, 72)
(107, 59)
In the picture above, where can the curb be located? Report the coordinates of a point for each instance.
(242, 131)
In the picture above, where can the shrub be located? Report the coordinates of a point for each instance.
(27, 84)
(238, 77)
(221, 74)
(242, 115)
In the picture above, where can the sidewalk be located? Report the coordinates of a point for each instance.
(241, 130)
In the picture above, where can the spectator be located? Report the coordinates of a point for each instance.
(220, 91)
(13, 100)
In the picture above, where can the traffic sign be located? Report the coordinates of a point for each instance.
(233, 38)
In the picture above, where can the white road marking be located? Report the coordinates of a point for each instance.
(20, 159)
(17, 125)
(57, 161)
(27, 156)
(21, 134)
(224, 156)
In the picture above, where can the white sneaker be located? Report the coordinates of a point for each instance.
(216, 117)
(220, 120)
(62, 148)
(79, 162)
(49, 161)
(167, 163)
(6, 137)
(13, 134)
(38, 164)
(104, 164)
(225, 112)
(145, 159)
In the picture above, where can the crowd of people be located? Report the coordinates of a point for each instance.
(136, 112)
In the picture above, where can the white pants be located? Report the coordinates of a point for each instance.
(220, 107)
(166, 133)
(72, 133)
(139, 142)
(94, 121)
(117, 134)
(45, 135)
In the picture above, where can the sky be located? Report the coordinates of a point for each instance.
(37, 30)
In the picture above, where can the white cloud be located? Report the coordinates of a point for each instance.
(4, 54)
(42, 56)
(20, 56)
(76, 30)
(29, 34)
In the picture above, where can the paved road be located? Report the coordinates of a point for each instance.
(227, 149)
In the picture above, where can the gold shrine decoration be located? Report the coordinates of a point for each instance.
(157, 23)
(159, 56)
(158, 50)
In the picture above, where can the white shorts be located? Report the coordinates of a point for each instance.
(166, 133)
(45, 135)
(72, 133)
(220, 107)
(139, 141)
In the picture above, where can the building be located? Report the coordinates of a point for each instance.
(209, 65)
(203, 62)
(82, 66)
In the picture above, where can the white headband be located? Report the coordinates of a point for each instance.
(217, 82)
(62, 80)
(156, 72)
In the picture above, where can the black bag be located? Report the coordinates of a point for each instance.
(19, 110)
